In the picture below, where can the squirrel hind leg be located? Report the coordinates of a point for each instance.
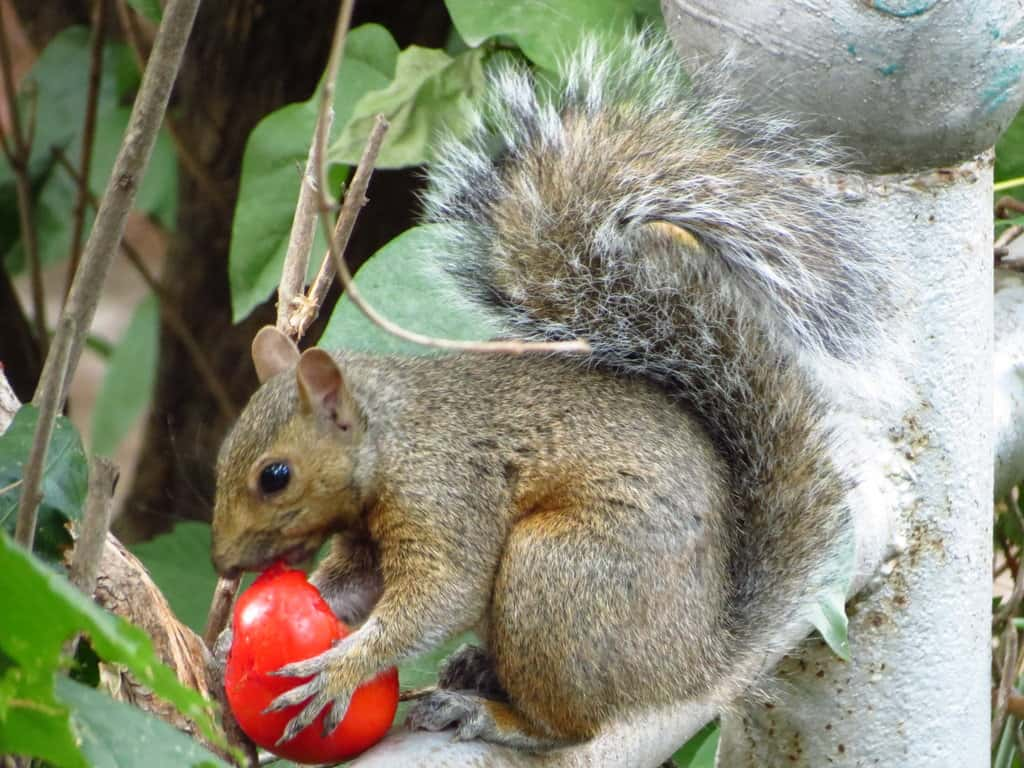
(475, 716)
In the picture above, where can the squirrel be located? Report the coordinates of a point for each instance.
(639, 525)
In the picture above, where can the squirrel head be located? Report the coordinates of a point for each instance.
(285, 473)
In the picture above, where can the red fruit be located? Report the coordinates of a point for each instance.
(280, 619)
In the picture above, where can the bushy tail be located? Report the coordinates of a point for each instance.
(635, 209)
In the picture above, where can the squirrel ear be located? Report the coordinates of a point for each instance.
(322, 389)
(679, 235)
(272, 352)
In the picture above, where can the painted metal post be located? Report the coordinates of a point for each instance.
(920, 89)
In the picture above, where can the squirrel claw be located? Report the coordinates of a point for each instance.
(339, 707)
(305, 717)
(294, 696)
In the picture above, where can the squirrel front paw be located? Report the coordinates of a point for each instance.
(332, 684)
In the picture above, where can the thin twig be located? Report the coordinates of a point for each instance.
(355, 199)
(296, 310)
(321, 130)
(1009, 646)
(140, 136)
(1008, 236)
(96, 42)
(220, 609)
(18, 157)
(1006, 204)
(300, 240)
(49, 407)
(416, 693)
(1015, 705)
(85, 561)
(1009, 609)
(168, 310)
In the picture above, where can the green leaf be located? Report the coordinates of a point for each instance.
(1003, 223)
(396, 283)
(179, 563)
(699, 751)
(545, 30)
(41, 612)
(828, 616)
(148, 8)
(128, 382)
(431, 91)
(115, 734)
(65, 479)
(275, 156)
(1010, 155)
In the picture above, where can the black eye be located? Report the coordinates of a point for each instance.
(275, 477)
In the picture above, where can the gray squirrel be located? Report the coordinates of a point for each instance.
(631, 528)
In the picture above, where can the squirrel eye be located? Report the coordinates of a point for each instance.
(274, 477)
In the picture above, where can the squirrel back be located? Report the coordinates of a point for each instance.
(689, 245)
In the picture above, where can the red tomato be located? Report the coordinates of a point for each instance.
(281, 618)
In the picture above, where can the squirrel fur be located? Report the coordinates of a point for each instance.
(637, 526)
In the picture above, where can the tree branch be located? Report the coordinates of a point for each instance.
(290, 289)
(97, 39)
(92, 536)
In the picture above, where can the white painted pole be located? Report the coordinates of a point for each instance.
(910, 85)
(917, 692)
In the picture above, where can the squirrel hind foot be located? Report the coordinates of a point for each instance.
(471, 668)
(476, 717)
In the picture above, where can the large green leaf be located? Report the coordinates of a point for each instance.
(275, 155)
(128, 382)
(65, 479)
(117, 735)
(179, 563)
(431, 91)
(545, 30)
(398, 283)
(41, 611)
